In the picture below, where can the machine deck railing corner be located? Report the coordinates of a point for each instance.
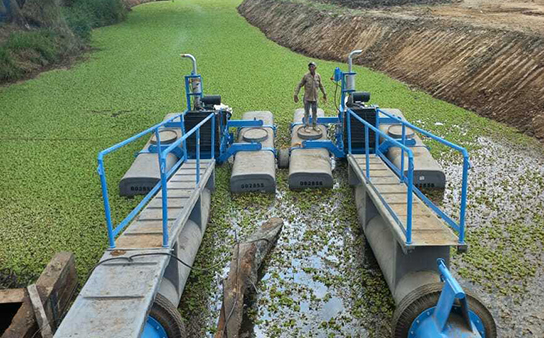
(162, 152)
(407, 179)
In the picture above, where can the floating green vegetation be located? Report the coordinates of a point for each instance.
(53, 127)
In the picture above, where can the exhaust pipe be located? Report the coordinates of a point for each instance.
(196, 86)
(351, 78)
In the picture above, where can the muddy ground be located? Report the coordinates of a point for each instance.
(322, 280)
(486, 56)
(384, 3)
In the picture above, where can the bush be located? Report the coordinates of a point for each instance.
(8, 69)
(79, 23)
(42, 42)
(26, 51)
(100, 12)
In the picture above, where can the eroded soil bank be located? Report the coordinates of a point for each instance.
(494, 70)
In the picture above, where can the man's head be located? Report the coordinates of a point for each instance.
(312, 66)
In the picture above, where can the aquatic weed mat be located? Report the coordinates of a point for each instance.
(53, 127)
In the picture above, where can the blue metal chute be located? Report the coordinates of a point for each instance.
(437, 321)
(154, 329)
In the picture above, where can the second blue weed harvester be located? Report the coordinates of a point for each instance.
(408, 233)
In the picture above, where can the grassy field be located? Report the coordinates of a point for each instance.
(53, 127)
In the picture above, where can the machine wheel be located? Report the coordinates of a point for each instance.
(283, 158)
(425, 297)
(164, 312)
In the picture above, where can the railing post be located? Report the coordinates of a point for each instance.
(164, 190)
(463, 200)
(409, 199)
(402, 154)
(212, 155)
(376, 133)
(367, 153)
(197, 156)
(184, 144)
(348, 122)
(187, 93)
(107, 209)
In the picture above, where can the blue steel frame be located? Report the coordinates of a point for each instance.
(154, 329)
(114, 231)
(188, 92)
(404, 144)
(460, 228)
(409, 183)
(433, 321)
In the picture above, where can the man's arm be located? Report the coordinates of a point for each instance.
(297, 89)
(302, 82)
(322, 89)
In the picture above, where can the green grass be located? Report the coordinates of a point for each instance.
(53, 126)
(55, 35)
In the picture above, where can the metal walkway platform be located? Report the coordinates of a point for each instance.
(117, 305)
(146, 230)
(388, 194)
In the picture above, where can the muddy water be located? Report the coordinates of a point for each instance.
(505, 219)
(321, 279)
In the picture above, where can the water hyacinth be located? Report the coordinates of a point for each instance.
(322, 272)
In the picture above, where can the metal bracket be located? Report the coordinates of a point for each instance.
(153, 149)
(386, 145)
(323, 144)
(244, 123)
(236, 147)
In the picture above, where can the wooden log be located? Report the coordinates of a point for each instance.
(247, 258)
(56, 287)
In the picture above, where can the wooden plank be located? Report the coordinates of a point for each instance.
(177, 193)
(156, 214)
(181, 185)
(383, 180)
(427, 222)
(378, 173)
(372, 158)
(427, 228)
(395, 198)
(418, 208)
(8, 296)
(392, 189)
(182, 178)
(188, 172)
(173, 202)
(140, 241)
(39, 312)
(57, 285)
(434, 238)
(150, 226)
(373, 166)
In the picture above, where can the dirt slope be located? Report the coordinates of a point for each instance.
(489, 64)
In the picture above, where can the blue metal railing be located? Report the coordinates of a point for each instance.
(460, 228)
(408, 230)
(165, 175)
(113, 231)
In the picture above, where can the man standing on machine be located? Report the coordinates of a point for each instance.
(311, 82)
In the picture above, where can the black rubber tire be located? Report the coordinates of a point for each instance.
(425, 297)
(168, 316)
(283, 158)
